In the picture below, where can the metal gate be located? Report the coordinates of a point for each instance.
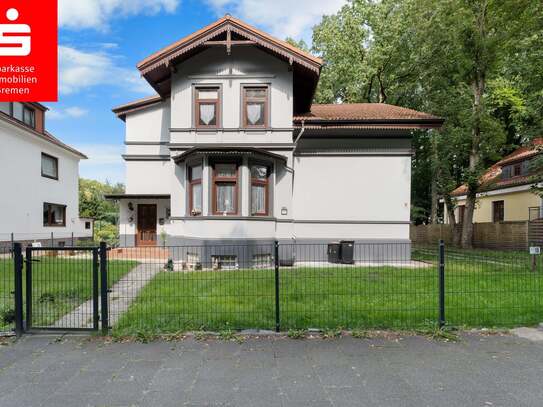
(57, 288)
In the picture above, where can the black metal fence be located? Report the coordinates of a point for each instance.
(271, 286)
(7, 305)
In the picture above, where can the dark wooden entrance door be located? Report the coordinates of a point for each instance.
(147, 217)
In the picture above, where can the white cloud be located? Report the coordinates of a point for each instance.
(282, 18)
(69, 112)
(84, 69)
(96, 14)
(104, 163)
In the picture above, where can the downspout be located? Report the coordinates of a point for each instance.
(294, 172)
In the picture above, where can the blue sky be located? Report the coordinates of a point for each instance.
(100, 42)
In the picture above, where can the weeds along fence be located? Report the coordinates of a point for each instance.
(272, 286)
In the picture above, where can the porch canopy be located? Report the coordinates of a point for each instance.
(118, 197)
(227, 152)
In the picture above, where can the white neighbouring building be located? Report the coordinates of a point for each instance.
(39, 180)
(231, 150)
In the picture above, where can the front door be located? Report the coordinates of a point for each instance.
(146, 234)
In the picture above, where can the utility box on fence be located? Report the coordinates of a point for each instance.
(334, 252)
(347, 252)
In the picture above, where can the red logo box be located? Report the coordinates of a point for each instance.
(28, 51)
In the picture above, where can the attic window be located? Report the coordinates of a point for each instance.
(20, 112)
(207, 106)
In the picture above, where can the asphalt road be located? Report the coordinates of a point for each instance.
(478, 370)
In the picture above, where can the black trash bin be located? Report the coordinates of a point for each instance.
(347, 252)
(334, 252)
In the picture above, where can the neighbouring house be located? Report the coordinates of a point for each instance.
(39, 180)
(231, 150)
(506, 189)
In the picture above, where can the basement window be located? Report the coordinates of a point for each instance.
(224, 262)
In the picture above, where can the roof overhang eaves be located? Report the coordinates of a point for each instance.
(227, 24)
(226, 151)
(375, 123)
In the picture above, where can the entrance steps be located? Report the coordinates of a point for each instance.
(143, 254)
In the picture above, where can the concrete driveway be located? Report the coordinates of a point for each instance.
(407, 371)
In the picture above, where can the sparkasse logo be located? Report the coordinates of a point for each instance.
(11, 44)
(28, 51)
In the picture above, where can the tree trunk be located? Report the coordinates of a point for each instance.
(382, 92)
(434, 193)
(434, 203)
(478, 86)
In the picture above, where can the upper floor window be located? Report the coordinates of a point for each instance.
(259, 190)
(255, 106)
(54, 215)
(49, 166)
(19, 111)
(225, 188)
(195, 189)
(207, 106)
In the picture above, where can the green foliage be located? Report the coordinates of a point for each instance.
(297, 333)
(106, 232)
(331, 333)
(440, 56)
(92, 204)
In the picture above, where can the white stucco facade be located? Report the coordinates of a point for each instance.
(344, 176)
(25, 190)
(320, 190)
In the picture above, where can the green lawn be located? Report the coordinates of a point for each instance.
(483, 288)
(59, 286)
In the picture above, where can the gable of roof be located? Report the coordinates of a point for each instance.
(491, 179)
(46, 136)
(157, 68)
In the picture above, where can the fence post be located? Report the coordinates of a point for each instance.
(95, 289)
(72, 239)
(18, 272)
(28, 262)
(104, 288)
(277, 315)
(441, 283)
(52, 240)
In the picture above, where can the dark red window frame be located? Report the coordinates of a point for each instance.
(222, 180)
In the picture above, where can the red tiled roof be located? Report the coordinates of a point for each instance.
(362, 112)
(491, 179)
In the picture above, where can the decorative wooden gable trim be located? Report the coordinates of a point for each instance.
(229, 25)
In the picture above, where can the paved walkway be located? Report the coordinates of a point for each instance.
(408, 372)
(121, 296)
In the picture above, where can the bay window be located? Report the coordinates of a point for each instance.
(259, 190)
(207, 107)
(54, 215)
(255, 106)
(195, 189)
(225, 188)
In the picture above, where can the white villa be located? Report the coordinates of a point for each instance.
(231, 150)
(40, 180)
